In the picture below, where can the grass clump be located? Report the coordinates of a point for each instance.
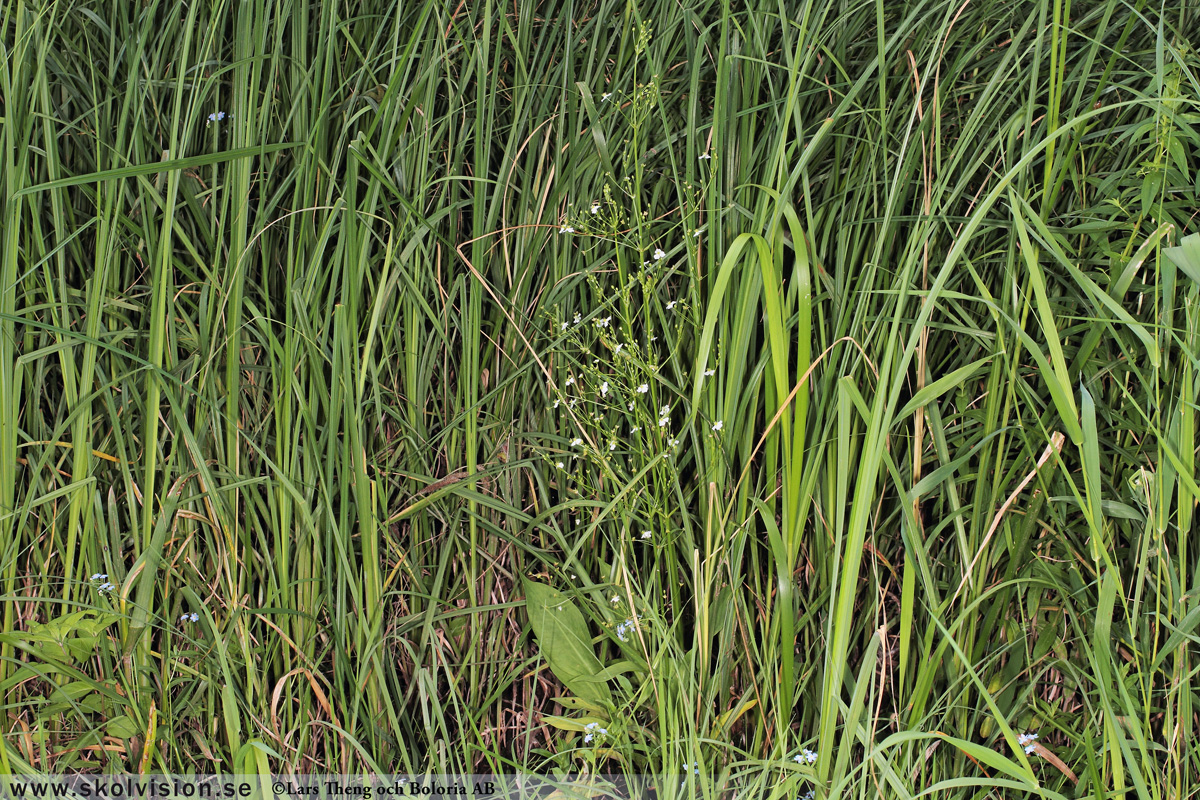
(791, 397)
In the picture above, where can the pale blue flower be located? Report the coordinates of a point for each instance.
(805, 756)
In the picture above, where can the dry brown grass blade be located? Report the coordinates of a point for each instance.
(1055, 446)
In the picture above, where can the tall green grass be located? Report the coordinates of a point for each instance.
(293, 338)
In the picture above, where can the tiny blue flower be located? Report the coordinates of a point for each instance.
(99, 576)
(805, 757)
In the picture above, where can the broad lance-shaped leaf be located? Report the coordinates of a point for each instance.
(1186, 256)
(565, 642)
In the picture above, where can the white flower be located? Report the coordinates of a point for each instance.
(571, 404)
(556, 403)
(570, 380)
(595, 208)
(617, 347)
(605, 96)
(643, 388)
(576, 442)
(577, 318)
(559, 465)
(672, 442)
(615, 599)
(705, 156)
(612, 446)
(604, 389)
(654, 338)
(566, 229)
(708, 373)
(603, 323)
(664, 411)
(646, 534)
(634, 429)
(662, 423)
(564, 326)
(671, 304)
(631, 406)
(718, 425)
(659, 254)
(695, 234)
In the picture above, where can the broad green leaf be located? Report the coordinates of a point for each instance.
(1186, 256)
(564, 640)
(123, 727)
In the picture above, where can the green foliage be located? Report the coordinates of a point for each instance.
(563, 638)
(327, 323)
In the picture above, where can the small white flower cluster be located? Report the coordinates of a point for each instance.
(805, 756)
(104, 587)
(192, 617)
(566, 229)
(1026, 740)
(593, 731)
(623, 630)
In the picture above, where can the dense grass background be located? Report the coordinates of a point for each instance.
(913, 471)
